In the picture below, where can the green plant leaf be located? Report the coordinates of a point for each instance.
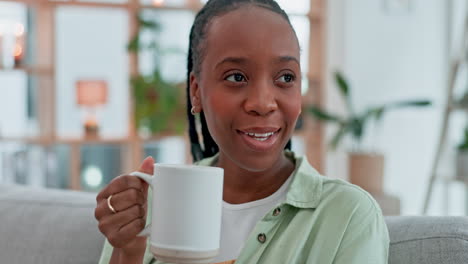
(375, 112)
(322, 115)
(342, 130)
(148, 24)
(410, 103)
(134, 44)
(342, 84)
(463, 146)
(357, 128)
(344, 88)
(378, 112)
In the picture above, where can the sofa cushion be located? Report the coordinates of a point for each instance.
(428, 240)
(48, 226)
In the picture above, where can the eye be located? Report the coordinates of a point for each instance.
(287, 78)
(236, 77)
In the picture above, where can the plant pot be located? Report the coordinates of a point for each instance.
(367, 170)
(462, 166)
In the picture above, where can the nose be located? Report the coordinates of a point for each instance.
(261, 99)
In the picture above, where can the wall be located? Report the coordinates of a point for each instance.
(389, 56)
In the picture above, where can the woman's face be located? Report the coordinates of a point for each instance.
(249, 85)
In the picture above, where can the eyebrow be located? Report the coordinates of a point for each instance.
(235, 60)
(288, 59)
(243, 60)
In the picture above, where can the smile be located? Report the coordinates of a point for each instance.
(260, 139)
(260, 136)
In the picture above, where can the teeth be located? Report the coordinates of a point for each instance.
(264, 135)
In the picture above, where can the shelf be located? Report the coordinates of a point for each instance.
(180, 8)
(44, 68)
(85, 141)
(78, 141)
(129, 5)
(29, 69)
(315, 16)
(65, 2)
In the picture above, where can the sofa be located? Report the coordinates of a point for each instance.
(46, 226)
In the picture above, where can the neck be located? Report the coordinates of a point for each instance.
(242, 185)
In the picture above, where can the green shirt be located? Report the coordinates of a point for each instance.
(322, 221)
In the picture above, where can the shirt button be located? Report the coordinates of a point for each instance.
(277, 211)
(261, 238)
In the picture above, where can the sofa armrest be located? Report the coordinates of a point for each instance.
(48, 226)
(428, 240)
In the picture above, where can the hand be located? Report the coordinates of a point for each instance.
(129, 196)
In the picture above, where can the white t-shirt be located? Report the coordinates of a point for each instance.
(238, 220)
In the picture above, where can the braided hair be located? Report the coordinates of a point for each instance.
(212, 9)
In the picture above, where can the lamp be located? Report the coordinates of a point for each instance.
(90, 94)
(19, 47)
(158, 2)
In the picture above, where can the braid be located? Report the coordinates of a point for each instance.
(212, 9)
(211, 147)
(195, 147)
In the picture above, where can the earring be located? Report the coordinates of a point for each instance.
(193, 110)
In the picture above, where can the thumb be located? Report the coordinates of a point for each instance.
(147, 166)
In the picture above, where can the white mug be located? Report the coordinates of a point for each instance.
(186, 212)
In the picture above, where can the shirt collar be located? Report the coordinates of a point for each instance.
(305, 190)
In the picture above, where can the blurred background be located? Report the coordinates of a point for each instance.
(88, 88)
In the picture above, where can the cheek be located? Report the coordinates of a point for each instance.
(219, 112)
(215, 105)
(293, 107)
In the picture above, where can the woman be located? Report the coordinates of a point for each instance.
(244, 80)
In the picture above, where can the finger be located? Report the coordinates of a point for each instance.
(102, 209)
(113, 223)
(120, 202)
(111, 226)
(126, 181)
(120, 184)
(129, 231)
(127, 199)
(147, 166)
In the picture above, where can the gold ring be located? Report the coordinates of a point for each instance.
(109, 204)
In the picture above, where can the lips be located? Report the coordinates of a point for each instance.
(259, 139)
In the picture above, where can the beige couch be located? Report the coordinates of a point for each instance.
(54, 226)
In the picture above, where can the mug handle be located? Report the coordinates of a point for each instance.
(149, 179)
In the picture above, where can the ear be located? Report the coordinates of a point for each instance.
(195, 92)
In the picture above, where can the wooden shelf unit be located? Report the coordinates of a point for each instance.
(29, 70)
(313, 131)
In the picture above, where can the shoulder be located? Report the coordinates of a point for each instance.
(364, 228)
(322, 191)
(329, 195)
(355, 210)
(343, 195)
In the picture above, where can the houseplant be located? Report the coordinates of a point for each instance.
(462, 158)
(159, 106)
(365, 168)
(461, 173)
